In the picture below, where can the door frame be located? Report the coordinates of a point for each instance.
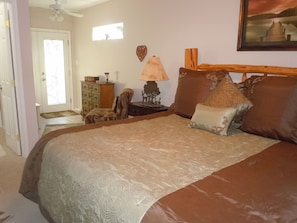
(21, 47)
(8, 101)
(37, 70)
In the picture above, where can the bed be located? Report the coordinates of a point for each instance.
(223, 152)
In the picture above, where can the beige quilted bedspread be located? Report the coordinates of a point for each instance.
(115, 173)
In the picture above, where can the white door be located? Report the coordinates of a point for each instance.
(7, 88)
(51, 58)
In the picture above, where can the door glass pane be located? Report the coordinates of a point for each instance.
(55, 72)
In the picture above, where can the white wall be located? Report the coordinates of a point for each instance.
(166, 27)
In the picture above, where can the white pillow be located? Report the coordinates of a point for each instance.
(213, 119)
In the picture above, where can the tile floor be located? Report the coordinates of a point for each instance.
(62, 120)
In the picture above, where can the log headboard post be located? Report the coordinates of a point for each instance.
(191, 58)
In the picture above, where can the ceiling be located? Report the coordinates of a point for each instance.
(74, 5)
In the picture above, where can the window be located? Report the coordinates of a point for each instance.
(106, 32)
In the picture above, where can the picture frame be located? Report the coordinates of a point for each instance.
(267, 25)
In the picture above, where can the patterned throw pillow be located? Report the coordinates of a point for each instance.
(193, 87)
(226, 95)
(212, 119)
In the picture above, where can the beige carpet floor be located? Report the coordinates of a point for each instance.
(2, 151)
(14, 208)
(13, 204)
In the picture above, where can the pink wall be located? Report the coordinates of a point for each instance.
(24, 75)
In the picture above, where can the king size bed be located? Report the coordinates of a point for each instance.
(223, 152)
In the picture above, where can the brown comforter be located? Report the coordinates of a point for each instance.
(262, 188)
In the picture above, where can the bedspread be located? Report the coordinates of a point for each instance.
(115, 173)
(261, 188)
(30, 177)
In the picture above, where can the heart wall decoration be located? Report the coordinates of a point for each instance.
(141, 52)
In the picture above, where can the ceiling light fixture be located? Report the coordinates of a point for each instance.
(57, 16)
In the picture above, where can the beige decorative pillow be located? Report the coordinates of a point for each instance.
(226, 95)
(212, 119)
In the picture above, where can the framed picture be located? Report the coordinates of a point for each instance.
(267, 25)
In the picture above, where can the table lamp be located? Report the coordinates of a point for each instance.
(153, 71)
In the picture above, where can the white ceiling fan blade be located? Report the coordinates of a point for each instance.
(73, 13)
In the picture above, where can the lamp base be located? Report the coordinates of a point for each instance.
(150, 93)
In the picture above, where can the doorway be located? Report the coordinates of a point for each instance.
(52, 69)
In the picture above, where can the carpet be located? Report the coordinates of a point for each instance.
(15, 208)
(3, 217)
(2, 153)
(49, 128)
(58, 114)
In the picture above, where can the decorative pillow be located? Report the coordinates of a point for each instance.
(226, 95)
(212, 119)
(274, 111)
(247, 87)
(193, 87)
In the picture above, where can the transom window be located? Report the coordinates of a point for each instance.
(106, 32)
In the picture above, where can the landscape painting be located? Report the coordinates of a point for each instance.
(268, 25)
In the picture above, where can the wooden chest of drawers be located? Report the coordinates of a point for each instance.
(96, 95)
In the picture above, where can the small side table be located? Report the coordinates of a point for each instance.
(140, 108)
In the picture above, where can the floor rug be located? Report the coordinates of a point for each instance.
(49, 128)
(58, 114)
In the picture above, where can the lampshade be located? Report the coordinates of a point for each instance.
(154, 70)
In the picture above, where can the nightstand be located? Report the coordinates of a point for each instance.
(140, 108)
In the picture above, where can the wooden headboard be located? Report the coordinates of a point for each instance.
(191, 62)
